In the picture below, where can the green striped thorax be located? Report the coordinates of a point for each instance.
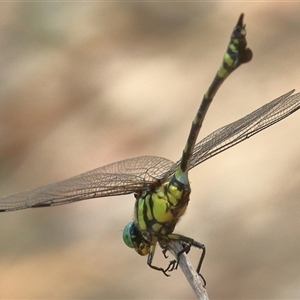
(157, 212)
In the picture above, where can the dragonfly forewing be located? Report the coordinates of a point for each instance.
(119, 178)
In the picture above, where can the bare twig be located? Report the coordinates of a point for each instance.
(188, 270)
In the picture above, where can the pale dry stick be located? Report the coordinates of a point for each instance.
(188, 270)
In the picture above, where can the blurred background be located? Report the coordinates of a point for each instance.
(87, 84)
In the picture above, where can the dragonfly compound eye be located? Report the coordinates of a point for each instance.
(134, 238)
(128, 235)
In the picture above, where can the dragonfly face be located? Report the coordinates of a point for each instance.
(134, 238)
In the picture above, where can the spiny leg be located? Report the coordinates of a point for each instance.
(187, 243)
(150, 259)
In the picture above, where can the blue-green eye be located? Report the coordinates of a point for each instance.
(127, 235)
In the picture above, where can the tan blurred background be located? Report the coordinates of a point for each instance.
(86, 84)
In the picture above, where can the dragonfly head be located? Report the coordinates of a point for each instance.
(133, 238)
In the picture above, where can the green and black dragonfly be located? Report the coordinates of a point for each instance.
(160, 186)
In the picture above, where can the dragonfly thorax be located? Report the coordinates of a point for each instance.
(156, 214)
(157, 211)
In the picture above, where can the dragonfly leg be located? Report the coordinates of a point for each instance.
(150, 259)
(187, 243)
(164, 251)
(202, 247)
(173, 264)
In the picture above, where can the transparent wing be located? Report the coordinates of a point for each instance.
(236, 132)
(119, 178)
(131, 175)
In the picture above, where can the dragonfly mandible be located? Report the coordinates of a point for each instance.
(160, 186)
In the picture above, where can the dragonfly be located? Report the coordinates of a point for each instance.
(161, 187)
